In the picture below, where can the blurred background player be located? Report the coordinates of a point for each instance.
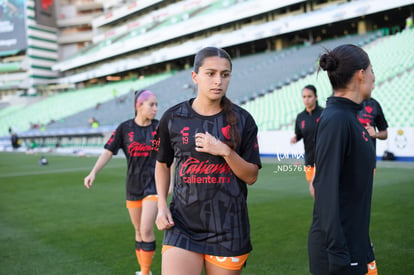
(135, 137)
(372, 117)
(305, 128)
(339, 241)
(214, 143)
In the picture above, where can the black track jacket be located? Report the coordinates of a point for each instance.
(344, 164)
(305, 128)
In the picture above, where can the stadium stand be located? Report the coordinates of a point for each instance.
(393, 65)
(164, 35)
(139, 40)
(253, 76)
(52, 109)
(266, 94)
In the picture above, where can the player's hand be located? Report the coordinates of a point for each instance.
(164, 219)
(312, 189)
(293, 140)
(208, 144)
(371, 131)
(87, 181)
(171, 188)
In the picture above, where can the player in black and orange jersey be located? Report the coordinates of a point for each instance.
(135, 138)
(214, 146)
(305, 125)
(372, 117)
(339, 241)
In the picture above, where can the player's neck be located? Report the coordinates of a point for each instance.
(350, 92)
(205, 107)
(311, 109)
(142, 121)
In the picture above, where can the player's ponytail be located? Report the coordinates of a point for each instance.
(341, 64)
(231, 118)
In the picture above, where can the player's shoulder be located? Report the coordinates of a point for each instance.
(126, 123)
(372, 102)
(182, 108)
(243, 115)
(334, 116)
(301, 114)
(241, 111)
(334, 112)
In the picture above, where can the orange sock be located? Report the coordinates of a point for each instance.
(146, 261)
(138, 251)
(146, 256)
(372, 268)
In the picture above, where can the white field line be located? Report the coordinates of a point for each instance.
(55, 171)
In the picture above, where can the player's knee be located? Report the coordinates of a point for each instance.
(147, 233)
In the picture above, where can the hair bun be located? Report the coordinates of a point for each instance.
(328, 62)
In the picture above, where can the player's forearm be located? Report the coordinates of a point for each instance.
(382, 134)
(244, 170)
(103, 159)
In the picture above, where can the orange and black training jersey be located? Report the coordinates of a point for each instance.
(209, 202)
(344, 162)
(371, 113)
(136, 141)
(305, 128)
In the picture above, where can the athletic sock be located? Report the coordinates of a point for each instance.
(372, 268)
(147, 255)
(138, 251)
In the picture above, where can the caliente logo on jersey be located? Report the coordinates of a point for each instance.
(196, 171)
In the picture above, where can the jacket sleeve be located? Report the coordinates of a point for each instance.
(331, 149)
(298, 133)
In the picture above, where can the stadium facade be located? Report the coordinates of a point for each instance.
(65, 43)
(47, 47)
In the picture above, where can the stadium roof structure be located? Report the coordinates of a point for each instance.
(192, 25)
(283, 25)
(11, 52)
(123, 11)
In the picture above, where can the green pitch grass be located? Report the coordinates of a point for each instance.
(51, 224)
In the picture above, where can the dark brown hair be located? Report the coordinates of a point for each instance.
(342, 62)
(225, 103)
(311, 87)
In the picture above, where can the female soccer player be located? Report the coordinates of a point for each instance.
(135, 137)
(305, 128)
(214, 144)
(344, 162)
(372, 117)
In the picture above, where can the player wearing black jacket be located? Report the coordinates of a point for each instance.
(305, 129)
(344, 163)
